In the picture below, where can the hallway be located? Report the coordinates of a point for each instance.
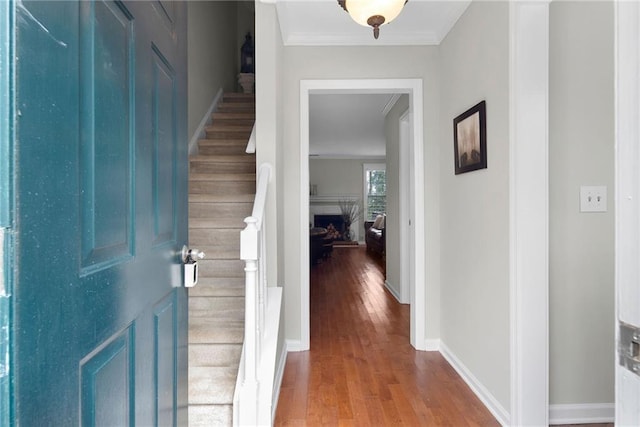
(361, 369)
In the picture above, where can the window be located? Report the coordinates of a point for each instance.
(375, 190)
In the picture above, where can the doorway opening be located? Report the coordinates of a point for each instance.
(415, 214)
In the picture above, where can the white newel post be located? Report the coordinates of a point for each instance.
(249, 254)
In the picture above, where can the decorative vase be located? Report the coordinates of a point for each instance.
(246, 80)
(347, 232)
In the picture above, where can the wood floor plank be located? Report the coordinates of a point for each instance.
(361, 369)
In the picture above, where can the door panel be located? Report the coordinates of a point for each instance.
(106, 380)
(164, 316)
(164, 149)
(106, 106)
(99, 311)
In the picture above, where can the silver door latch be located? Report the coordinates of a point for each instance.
(190, 259)
(629, 348)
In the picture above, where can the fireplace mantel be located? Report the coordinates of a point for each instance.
(331, 199)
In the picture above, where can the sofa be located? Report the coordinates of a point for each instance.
(374, 235)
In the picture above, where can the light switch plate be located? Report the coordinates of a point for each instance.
(593, 198)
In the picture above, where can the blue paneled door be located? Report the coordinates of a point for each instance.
(99, 312)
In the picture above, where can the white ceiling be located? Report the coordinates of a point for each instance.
(350, 126)
(325, 23)
(347, 126)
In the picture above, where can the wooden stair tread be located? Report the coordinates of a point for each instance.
(241, 115)
(225, 127)
(230, 177)
(239, 96)
(223, 142)
(228, 107)
(210, 198)
(210, 415)
(222, 253)
(214, 286)
(212, 385)
(217, 223)
(214, 354)
(226, 158)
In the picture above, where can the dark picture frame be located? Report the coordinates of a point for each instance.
(470, 139)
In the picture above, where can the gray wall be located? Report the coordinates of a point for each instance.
(213, 30)
(474, 207)
(338, 176)
(581, 152)
(392, 224)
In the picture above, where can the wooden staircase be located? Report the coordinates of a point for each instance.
(222, 184)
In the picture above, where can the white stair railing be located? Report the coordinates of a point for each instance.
(254, 387)
(251, 144)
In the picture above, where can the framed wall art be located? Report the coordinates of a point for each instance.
(470, 139)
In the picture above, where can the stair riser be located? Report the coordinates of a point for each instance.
(211, 385)
(239, 99)
(224, 187)
(221, 253)
(236, 107)
(217, 120)
(222, 167)
(221, 268)
(214, 354)
(239, 96)
(219, 210)
(215, 306)
(219, 238)
(243, 115)
(228, 134)
(219, 283)
(209, 150)
(204, 330)
(211, 291)
(210, 415)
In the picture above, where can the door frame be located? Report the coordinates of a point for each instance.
(407, 239)
(627, 203)
(529, 212)
(412, 87)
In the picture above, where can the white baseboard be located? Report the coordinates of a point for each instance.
(432, 345)
(392, 291)
(282, 361)
(206, 119)
(295, 345)
(586, 413)
(492, 404)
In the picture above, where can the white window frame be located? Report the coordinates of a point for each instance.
(366, 167)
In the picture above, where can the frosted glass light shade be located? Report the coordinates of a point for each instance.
(362, 10)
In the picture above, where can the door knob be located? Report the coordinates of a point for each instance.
(191, 255)
(190, 259)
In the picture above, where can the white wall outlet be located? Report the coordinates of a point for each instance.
(593, 198)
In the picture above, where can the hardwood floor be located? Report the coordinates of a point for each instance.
(361, 369)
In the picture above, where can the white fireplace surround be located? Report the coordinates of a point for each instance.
(328, 204)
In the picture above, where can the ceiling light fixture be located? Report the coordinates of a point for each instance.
(373, 12)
